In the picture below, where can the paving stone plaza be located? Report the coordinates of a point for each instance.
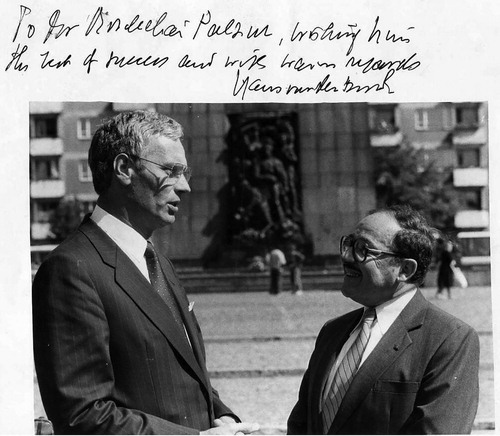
(258, 347)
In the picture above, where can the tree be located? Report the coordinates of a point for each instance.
(407, 175)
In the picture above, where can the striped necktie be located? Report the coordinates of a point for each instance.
(160, 285)
(346, 370)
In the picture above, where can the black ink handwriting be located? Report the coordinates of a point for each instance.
(137, 24)
(16, 59)
(325, 85)
(326, 33)
(31, 28)
(60, 29)
(255, 85)
(296, 64)
(89, 60)
(232, 28)
(300, 65)
(349, 86)
(252, 61)
(148, 61)
(52, 63)
(185, 62)
(379, 64)
(389, 36)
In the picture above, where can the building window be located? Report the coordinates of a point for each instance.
(469, 158)
(382, 120)
(44, 127)
(84, 173)
(45, 169)
(44, 210)
(421, 119)
(471, 198)
(467, 116)
(83, 129)
(448, 118)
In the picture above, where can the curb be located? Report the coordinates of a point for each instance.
(280, 372)
(249, 373)
(283, 337)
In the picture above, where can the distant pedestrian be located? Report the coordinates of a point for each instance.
(445, 271)
(276, 260)
(295, 262)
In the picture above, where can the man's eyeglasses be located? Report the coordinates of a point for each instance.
(359, 250)
(173, 172)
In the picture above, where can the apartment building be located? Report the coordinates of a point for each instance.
(59, 142)
(455, 135)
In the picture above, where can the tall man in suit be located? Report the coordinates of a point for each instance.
(400, 364)
(117, 347)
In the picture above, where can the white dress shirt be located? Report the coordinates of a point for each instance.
(386, 315)
(129, 240)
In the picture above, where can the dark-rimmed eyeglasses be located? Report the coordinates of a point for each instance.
(359, 250)
(173, 172)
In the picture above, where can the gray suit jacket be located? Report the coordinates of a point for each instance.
(109, 357)
(421, 378)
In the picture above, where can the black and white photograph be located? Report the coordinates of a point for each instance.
(252, 210)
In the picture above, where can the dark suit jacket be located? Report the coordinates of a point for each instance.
(422, 377)
(108, 356)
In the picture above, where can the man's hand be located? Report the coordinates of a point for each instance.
(227, 425)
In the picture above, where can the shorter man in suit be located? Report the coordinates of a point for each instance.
(400, 364)
(118, 349)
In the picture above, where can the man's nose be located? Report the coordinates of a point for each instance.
(182, 185)
(346, 255)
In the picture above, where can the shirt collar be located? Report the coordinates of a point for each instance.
(129, 240)
(388, 311)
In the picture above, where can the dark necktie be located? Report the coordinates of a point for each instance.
(160, 285)
(346, 370)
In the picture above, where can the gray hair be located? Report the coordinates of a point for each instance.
(125, 133)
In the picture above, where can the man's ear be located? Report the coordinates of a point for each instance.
(408, 269)
(122, 169)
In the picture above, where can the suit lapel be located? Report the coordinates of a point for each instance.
(135, 285)
(391, 346)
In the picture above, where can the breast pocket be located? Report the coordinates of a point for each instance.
(396, 387)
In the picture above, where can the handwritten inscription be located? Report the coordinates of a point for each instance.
(57, 29)
(50, 62)
(233, 28)
(326, 58)
(326, 33)
(102, 21)
(124, 61)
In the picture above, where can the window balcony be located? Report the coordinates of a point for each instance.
(466, 138)
(386, 139)
(47, 189)
(40, 231)
(467, 219)
(45, 107)
(46, 147)
(468, 177)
